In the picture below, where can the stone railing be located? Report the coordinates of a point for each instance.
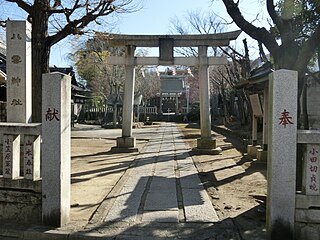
(20, 186)
(307, 213)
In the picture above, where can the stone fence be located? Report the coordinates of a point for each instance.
(20, 182)
(307, 214)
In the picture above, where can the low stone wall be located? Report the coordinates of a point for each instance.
(20, 206)
(20, 182)
(307, 223)
(20, 200)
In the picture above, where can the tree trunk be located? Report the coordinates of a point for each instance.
(40, 55)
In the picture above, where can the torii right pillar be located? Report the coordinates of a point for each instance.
(206, 144)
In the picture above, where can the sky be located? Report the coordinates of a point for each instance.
(154, 18)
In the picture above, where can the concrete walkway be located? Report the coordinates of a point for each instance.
(159, 196)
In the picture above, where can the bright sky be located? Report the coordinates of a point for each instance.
(154, 18)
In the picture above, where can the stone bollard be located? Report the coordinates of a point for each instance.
(282, 141)
(56, 164)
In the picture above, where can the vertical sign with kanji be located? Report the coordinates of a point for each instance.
(11, 156)
(31, 157)
(19, 87)
(56, 160)
(312, 169)
(282, 142)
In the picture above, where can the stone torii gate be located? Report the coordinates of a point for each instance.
(166, 44)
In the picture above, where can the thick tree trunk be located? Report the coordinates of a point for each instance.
(40, 54)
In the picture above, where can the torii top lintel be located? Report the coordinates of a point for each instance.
(195, 40)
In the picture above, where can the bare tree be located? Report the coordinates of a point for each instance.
(295, 23)
(54, 20)
(197, 22)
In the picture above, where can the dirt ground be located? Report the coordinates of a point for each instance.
(236, 183)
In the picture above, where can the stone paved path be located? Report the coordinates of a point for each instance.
(163, 186)
(160, 195)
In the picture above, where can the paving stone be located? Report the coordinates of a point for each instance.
(163, 183)
(158, 199)
(161, 216)
(229, 173)
(197, 206)
(190, 179)
(126, 205)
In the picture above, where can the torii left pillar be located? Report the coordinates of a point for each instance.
(206, 144)
(127, 143)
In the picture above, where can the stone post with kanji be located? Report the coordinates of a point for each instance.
(282, 141)
(56, 164)
(19, 82)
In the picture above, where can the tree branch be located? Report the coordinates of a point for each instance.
(308, 49)
(274, 16)
(75, 26)
(22, 4)
(260, 34)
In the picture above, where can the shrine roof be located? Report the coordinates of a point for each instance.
(258, 78)
(192, 40)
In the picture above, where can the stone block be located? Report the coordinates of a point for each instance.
(161, 200)
(308, 136)
(252, 150)
(262, 155)
(198, 207)
(205, 143)
(307, 231)
(125, 144)
(308, 215)
(161, 216)
(306, 202)
(199, 151)
(22, 207)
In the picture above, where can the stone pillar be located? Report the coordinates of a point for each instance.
(206, 142)
(311, 176)
(127, 142)
(56, 164)
(11, 156)
(254, 130)
(31, 157)
(265, 117)
(19, 82)
(177, 104)
(204, 94)
(283, 88)
(161, 102)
